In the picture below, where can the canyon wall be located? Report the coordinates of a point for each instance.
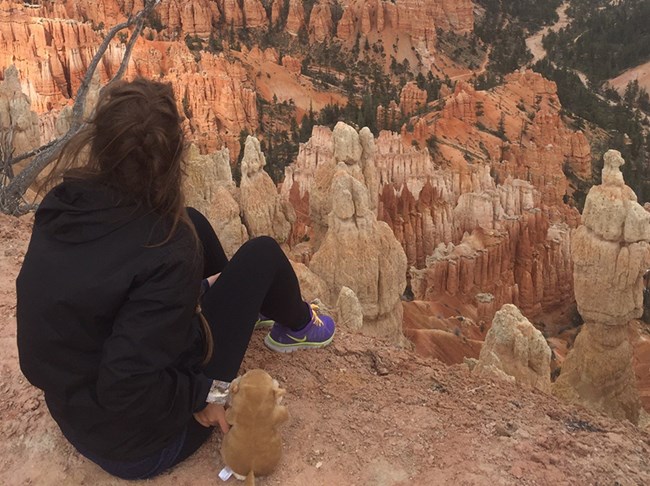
(417, 19)
(472, 186)
(52, 43)
(462, 234)
(52, 55)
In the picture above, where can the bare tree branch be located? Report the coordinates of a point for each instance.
(6, 152)
(82, 93)
(33, 152)
(11, 194)
(129, 48)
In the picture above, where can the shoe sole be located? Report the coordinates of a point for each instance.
(264, 324)
(273, 345)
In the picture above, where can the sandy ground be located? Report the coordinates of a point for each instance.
(640, 73)
(272, 79)
(534, 42)
(363, 413)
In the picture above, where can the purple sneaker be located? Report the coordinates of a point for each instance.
(318, 333)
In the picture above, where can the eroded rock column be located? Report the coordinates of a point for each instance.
(210, 189)
(264, 212)
(362, 254)
(610, 255)
(515, 351)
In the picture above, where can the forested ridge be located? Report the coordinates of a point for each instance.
(604, 38)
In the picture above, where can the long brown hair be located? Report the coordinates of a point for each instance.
(134, 144)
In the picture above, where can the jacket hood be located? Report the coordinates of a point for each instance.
(80, 211)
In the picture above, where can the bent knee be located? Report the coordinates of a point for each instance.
(263, 244)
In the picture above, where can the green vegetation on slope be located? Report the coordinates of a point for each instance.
(530, 14)
(622, 123)
(504, 26)
(604, 38)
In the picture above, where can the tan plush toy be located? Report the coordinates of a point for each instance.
(253, 445)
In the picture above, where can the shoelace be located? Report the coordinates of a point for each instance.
(314, 311)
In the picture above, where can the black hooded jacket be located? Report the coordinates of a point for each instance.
(106, 323)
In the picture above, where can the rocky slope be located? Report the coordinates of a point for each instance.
(362, 412)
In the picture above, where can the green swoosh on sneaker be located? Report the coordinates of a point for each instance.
(302, 340)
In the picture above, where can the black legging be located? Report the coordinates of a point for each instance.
(258, 279)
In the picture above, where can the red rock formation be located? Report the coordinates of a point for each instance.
(579, 155)
(516, 128)
(296, 16)
(457, 16)
(545, 142)
(195, 17)
(219, 96)
(418, 199)
(514, 253)
(510, 264)
(321, 24)
(231, 14)
(462, 104)
(412, 98)
(416, 18)
(52, 56)
(292, 64)
(254, 14)
(345, 29)
(611, 251)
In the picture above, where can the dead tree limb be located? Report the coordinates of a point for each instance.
(11, 193)
(6, 152)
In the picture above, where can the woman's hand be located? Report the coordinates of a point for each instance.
(212, 415)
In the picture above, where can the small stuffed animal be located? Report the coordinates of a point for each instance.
(253, 445)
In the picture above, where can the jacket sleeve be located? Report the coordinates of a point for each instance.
(142, 374)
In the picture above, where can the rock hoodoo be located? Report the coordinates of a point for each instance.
(349, 310)
(352, 151)
(16, 117)
(412, 98)
(362, 254)
(264, 212)
(610, 252)
(514, 350)
(321, 24)
(210, 189)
